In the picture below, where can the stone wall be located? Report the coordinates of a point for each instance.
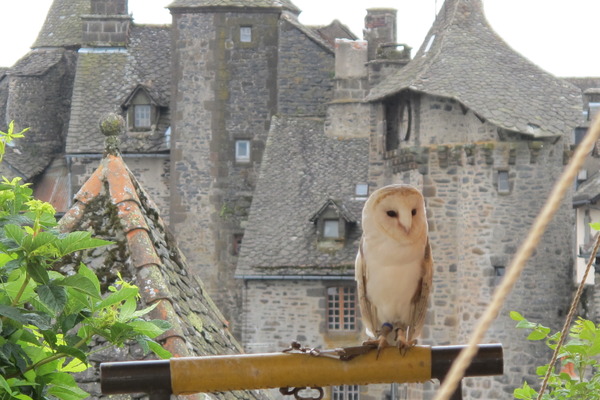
(296, 310)
(476, 227)
(305, 73)
(225, 90)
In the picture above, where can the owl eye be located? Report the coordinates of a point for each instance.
(414, 212)
(392, 213)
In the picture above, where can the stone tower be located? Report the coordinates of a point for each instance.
(484, 133)
(225, 66)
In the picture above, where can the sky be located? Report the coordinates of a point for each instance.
(557, 35)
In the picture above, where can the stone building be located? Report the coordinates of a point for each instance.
(259, 138)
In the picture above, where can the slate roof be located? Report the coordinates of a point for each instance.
(335, 30)
(104, 80)
(464, 59)
(284, 4)
(36, 62)
(113, 206)
(30, 155)
(302, 169)
(63, 26)
(588, 192)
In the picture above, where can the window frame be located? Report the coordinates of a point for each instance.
(246, 34)
(345, 392)
(146, 117)
(503, 181)
(342, 309)
(331, 222)
(243, 158)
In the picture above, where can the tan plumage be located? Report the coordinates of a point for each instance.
(394, 265)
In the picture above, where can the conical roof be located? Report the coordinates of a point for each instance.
(63, 25)
(464, 59)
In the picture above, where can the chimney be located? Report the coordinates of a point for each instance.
(107, 25)
(380, 29)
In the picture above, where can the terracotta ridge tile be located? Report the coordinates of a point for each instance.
(153, 286)
(141, 248)
(131, 216)
(92, 187)
(71, 218)
(119, 181)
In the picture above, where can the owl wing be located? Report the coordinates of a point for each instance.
(367, 309)
(418, 304)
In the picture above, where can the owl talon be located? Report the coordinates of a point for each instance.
(380, 343)
(404, 346)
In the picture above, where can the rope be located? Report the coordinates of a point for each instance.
(457, 371)
(565, 329)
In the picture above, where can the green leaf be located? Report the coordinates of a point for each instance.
(40, 320)
(119, 296)
(12, 313)
(39, 240)
(159, 350)
(15, 233)
(524, 324)
(516, 316)
(88, 273)
(64, 387)
(55, 297)
(539, 333)
(80, 283)
(525, 392)
(73, 352)
(4, 385)
(595, 226)
(76, 241)
(38, 272)
(147, 328)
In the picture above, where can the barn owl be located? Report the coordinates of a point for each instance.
(394, 266)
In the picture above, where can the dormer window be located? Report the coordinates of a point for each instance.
(142, 107)
(332, 222)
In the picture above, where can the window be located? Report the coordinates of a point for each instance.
(503, 184)
(341, 308)
(345, 392)
(242, 150)
(141, 116)
(397, 121)
(237, 243)
(245, 34)
(499, 270)
(593, 110)
(361, 190)
(331, 229)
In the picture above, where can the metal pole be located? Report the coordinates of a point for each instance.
(275, 370)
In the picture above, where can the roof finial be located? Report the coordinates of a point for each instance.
(111, 126)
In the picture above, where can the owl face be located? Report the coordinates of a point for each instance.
(398, 210)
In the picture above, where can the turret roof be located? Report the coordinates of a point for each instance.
(463, 58)
(284, 4)
(62, 27)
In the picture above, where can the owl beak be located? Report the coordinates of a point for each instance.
(405, 221)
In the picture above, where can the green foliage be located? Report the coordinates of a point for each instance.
(48, 319)
(581, 348)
